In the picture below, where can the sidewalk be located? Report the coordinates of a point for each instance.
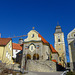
(43, 73)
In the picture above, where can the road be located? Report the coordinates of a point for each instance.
(44, 73)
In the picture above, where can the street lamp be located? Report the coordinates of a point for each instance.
(23, 59)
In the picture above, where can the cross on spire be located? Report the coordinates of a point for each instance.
(33, 28)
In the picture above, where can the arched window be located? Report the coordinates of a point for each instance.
(59, 58)
(35, 57)
(31, 47)
(28, 56)
(32, 35)
(58, 40)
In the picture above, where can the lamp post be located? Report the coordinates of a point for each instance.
(23, 63)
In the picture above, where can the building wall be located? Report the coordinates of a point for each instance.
(1, 52)
(46, 52)
(7, 53)
(55, 56)
(43, 51)
(15, 52)
(60, 48)
(41, 66)
(71, 41)
(30, 36)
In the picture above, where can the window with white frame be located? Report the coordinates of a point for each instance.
(6, 53)
(9, 45)
(32, 47)
(10, 57)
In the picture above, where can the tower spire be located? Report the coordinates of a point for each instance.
(57, 23)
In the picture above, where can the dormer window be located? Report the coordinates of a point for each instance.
(32, 35)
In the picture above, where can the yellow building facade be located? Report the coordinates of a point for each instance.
(71, 47)
(6, 50)
(60, 45)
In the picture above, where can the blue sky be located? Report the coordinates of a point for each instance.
(17, 17)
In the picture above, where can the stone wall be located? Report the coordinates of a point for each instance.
(55, 56)
(41, 66)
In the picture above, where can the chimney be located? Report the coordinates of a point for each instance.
(0, 35)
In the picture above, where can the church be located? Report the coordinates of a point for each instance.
(39, 53)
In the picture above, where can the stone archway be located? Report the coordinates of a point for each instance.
(28, 56)
(36, 56)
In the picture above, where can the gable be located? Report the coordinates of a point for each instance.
(33, 35)
(17, 46)
(4, 41)
(71, 34)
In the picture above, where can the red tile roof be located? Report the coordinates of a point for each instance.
(42, 38)
(17, 46)
(54, 60)
(4, 41)
(52, 48)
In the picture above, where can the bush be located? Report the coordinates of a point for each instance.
(7, 71)
(70, 73)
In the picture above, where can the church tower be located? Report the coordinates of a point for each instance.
(60, 45)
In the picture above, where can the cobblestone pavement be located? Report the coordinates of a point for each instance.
(44, 73)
